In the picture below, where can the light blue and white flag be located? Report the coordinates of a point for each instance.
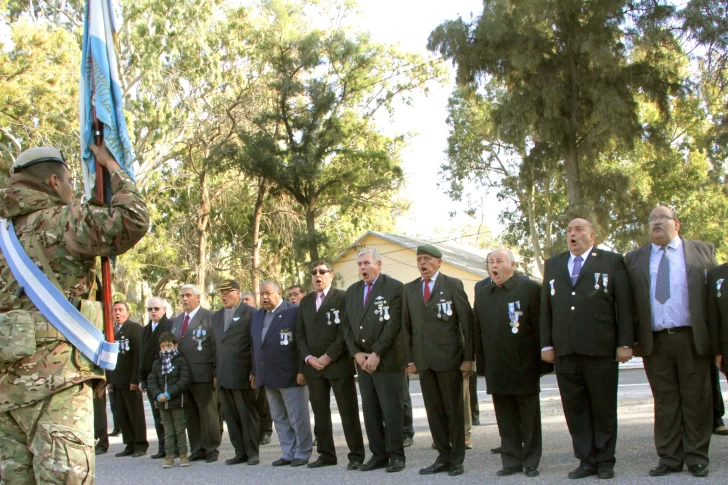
(100, 88)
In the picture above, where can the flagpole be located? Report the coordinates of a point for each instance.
(101, 196)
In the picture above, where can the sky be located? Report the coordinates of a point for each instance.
(409, 23)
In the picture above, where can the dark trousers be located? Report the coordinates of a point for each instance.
(680, 382)
(443, 396)
(381, 400)
(718, 404)
(266, 421)
(133, 423)
(474, 407)
(519, 426)
(588, 387)
(203, 427)
(409, 429)
(100, 429)
(158, 426)
(242, 418)
(346, 401)
(112, 405)
(174, 424)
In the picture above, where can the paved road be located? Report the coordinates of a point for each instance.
(635, 451)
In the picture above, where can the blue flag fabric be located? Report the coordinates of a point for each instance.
(100, 88)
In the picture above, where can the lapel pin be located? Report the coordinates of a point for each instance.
(594, 254)
(553, 290)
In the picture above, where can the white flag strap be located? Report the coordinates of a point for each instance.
(53, 304)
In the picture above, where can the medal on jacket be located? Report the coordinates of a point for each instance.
(605, 282)
(328, 318)
(380, 302)
(596, 280)
(337, 320)
(124, 345)
(386, 312)
(448, 306)
(718, 285)
(553, 290)
(514, 312)
(199, 335)
(439, 310)
(286, 336)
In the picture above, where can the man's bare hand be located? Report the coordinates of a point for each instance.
(104, 157)
(719, 363)
(411, 369)
(623, 355)
(300, 379)
(314, 362)
(361, 359)
(251, 379)
(548, 356)
(466, 368)
(372, 363)
(133, 387)
(324, 360)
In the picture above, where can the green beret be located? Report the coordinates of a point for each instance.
(31, 156)
(228, 285)
(429, 249)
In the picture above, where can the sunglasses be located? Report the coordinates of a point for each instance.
(155, 308)
(320, 271)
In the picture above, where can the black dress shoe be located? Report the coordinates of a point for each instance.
(509, 470)
(456, 470)
(281, 462)
(254, 460)
(138, 453)
(372, 464)
(298, 462)
(212, 457)
(158, 455)
(265, 439)
(124, 453)
(237, 460)
(605, 474)
(395, 465)
(476, 420)
(662, 470)
(100, 451)
(408, 441)
(198, 456)
(115, 432)
(320, 463)
(353, 465)
(436, 467)
(582, 471)
(531, 471)
(699, 470)
(496, 451)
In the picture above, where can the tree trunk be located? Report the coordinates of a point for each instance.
(535, 242)
(203, 220)
(257, 215)
(571, 158)
(311, 233)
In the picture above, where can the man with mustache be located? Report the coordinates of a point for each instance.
(670, 277)
(586, 330)
(438, 327)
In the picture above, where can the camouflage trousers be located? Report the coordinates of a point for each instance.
(50, 441)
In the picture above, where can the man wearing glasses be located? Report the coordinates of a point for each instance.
(294, 294)
(158, 324)
(328, 367)
(669, 280)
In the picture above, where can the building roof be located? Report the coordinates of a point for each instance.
(463, 257)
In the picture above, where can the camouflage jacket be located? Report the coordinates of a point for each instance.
(71, 236)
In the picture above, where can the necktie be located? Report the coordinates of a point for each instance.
(185, 322)
(319, 299)
(662, 287)
(116, 328)
(576, 270)
(369, 293)
(427, 290)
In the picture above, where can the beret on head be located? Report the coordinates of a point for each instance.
(31, 156)
(429, 249)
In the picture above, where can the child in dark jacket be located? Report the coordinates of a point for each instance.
(168, 381)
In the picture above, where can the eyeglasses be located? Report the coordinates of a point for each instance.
(322, 272)
(660, 218)
(155, 308)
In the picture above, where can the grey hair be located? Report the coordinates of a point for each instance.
(247, 293)
(162, 302)
(511, 257)
(271, 283)
(375, 254)
(192, 287)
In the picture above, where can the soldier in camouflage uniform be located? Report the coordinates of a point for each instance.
(46, 413)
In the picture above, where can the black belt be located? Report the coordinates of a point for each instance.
(675, 330)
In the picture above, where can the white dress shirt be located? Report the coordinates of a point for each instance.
(675, 311)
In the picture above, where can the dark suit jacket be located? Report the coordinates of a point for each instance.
(718, 308)
(127, 364)
(201, 362)
(582, 319)
(699, 259)
(432, 342)
(150, 346)
(233, 349)
(275, 364)
(482, 283)
(317, 333)
(364, 332)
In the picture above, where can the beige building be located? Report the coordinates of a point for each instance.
(399, 260)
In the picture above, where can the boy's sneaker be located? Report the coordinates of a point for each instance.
(168, 462)
(183, 461)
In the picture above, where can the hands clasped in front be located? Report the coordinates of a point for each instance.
(368, 362)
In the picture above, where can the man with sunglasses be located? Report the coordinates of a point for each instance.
(670, 284)
(328, 367)
(158, 324)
